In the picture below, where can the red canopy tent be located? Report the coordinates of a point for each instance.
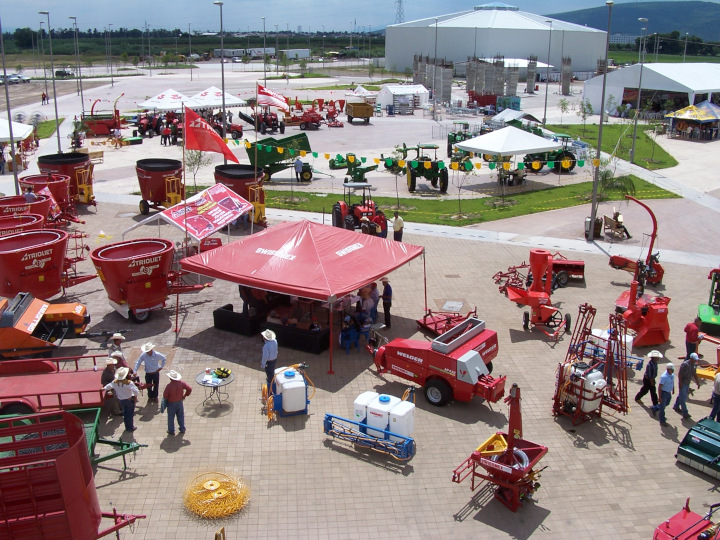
(304, 259)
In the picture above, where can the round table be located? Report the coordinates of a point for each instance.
(215, 389)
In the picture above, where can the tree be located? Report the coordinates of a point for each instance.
(19, 68)
(371, 70)
(460, 180)
(196, 160)
(607, 181)
(303, 67)
(584, 110)
(564, 106)
(408, 73)
(124, 58)
(135, 61)
(23, 38)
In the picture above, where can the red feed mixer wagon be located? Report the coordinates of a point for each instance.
(58, 186)
(21, 223)
(17, 205)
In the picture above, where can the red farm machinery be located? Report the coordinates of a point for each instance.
(507, 460)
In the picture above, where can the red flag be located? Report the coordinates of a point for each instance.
(268, 97)
(200, 136)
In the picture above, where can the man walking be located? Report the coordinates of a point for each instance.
(715, 413)
(154, 362)
(685, 377)
(127, 394)
(666, 388)
(175, 392)
(386, 300)
(651, 371)
(298, 166)
(398, 226)
(692, 337)
(269, 355)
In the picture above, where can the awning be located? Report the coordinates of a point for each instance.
(20, 131)
(508, 141)
(170, 100)
(693, 114)
(212, 97)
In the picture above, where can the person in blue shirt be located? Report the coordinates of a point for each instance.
(154, 362)
(666, 388)
(269, 355)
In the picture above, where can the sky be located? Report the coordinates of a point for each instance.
(239, 15)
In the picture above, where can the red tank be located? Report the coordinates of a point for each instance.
(20, 223)
(16, 204)
(78, 167)
(59, 186)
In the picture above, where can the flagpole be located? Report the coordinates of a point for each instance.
(184, 185)
(256, 152)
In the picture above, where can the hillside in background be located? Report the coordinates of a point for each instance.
(701, 19)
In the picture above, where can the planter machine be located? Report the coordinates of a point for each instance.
(687, 525)
(288, 392)
(710, 313)
(381, 423)
(355, 171)
(456, 365)
(507, 460)
(542, 315)
(594, 373)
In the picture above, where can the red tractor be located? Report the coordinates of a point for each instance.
(266, 121)
(348, 215)
(455, 365)
(234, 130)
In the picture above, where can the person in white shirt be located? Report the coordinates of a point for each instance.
(127, 394)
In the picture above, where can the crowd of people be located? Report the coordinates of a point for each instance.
(378, 225)
(361, 310)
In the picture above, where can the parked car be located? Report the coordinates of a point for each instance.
(237, 60)
(64, 74)
(14, 79)
(24, 78)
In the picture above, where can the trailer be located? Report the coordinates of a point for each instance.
(456, 365)
(275, 155)
(160, 182)
(362, 111)
(709, 313)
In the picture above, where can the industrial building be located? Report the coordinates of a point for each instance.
(493, 30)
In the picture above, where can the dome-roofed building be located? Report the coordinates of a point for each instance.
(493, 29)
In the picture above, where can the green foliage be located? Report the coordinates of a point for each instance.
(196, 160)
(46, 128)
(583, 111)
(564, 106)
(24, 38)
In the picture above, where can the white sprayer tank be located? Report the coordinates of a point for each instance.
(293, 388)
(378, 414)
(361, 404)
(593, 386)
(402, 420)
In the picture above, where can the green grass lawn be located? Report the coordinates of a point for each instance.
(648, 154)
(46, 129)
(627, 57)
(445, 211)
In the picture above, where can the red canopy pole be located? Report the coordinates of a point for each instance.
(332, 341)
(425, 280)
(177, 311)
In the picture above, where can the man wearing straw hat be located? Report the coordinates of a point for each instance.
(269, 355)
(115, 343)
(651, 372)
(175, 392)
(112, 405)
(154, 362)
(127, 394)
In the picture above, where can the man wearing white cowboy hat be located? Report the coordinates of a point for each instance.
(651, 371)
(112, 405)
(175, 392)
(154, 362)
(115, 343)
(269, 354)
(127, 394)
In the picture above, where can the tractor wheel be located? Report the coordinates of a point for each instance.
(367, 120)
(562, 279)
(337, 218)
(438, 392)
(266, 176)
(411, 180)
(526, 320)
(303, 126)
(444, 182)
(236, 134)
(350, 119)
(567, 156)
(316, 125)
(140, 318)
(306, 176)
(20, 409)
(568, 323)
(434, 182)
(350, 222)
(144, 207)
(263, 128)
(282, 128)
(489, 367)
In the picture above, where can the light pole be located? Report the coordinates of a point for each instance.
(277, 53)
(77, 56)
(547, 74)
(323, 46)
(657, 46)
(9, 114)
(596, 180)
(52, 72)
(189, 41)
(434, 89)
(685, 49)
(222, 72)
(112, 81)
(42, 48)
(264, 55)
(637, 108)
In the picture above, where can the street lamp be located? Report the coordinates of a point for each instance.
(637, 108)
(42, 48)
(9, 114)
(685, 50)
(52, 72)
(77, 62)
(264, 55)
(323, 45)
(189, 42)
(434, 87)
(596, 180)
(112, 81)
(547, 74)
(222, 72)
(277, 53)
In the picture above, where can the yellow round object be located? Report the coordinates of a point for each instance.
(220, 493)
(536, 165)
(566, 163)
(211, 485)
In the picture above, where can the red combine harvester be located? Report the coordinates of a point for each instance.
(507, 460)
(544, 314)
(456, 365)
(29, 326)
(46, 481)
(594, 373)
(687, 525)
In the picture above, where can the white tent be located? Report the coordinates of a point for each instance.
(508, 141)
(390, 92)
(657, 79)
(212, 97)
(20, 131)
(509, 114)
(170, 100)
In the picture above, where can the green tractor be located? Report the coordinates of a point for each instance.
(710, 313)
(427, 168)
(564, 159)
